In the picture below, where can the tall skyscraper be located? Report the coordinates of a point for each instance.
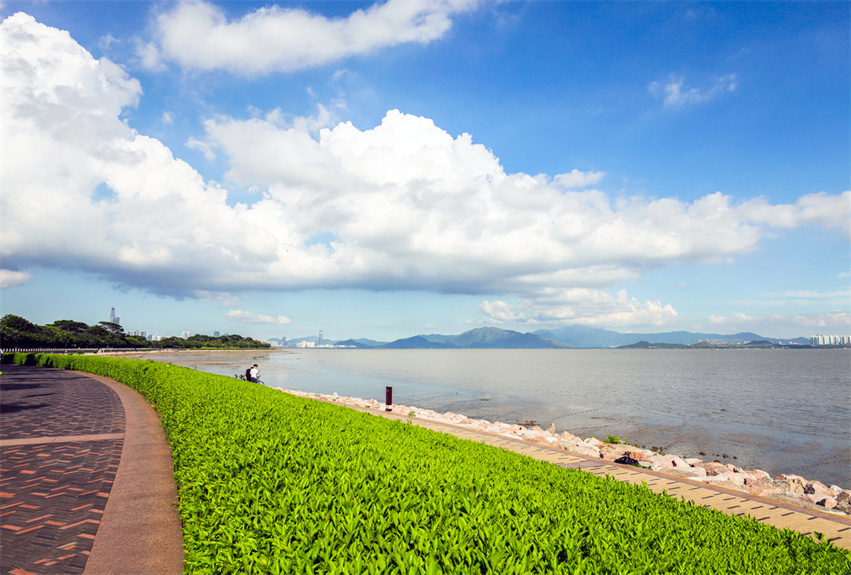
(112, 315)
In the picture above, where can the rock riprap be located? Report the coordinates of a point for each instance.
(785, 487)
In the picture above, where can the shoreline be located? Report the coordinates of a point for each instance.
(185, 351)
(785, 487)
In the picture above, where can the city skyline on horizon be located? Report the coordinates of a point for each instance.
(393, 168)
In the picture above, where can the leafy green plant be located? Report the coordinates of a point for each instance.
(614, 440)
(273, 483)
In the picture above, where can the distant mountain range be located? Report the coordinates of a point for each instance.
(573, 336)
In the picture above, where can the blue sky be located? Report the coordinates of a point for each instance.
(386, 169)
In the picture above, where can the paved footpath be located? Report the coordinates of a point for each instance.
(86, 483)
(836, 528)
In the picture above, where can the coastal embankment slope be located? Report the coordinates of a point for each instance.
(789, 488)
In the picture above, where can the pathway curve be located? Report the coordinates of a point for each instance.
(85, 478)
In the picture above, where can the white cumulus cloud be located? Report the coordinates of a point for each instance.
(584, 306)
(833, 322)
(198, 35)
(676, 94)
(576, 179)
(129, 205)
(835, 319)
(404, 205)
(250, 317)
(12, 278)
(502, 312)
(819, 209)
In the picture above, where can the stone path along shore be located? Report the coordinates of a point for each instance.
(86, 483)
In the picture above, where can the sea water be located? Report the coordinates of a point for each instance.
(783, 411)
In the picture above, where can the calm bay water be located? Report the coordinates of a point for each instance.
(784, 411)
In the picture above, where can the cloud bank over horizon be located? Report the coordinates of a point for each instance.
(404, 205)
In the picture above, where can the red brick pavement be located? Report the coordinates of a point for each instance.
(47, 403)
(53, 488)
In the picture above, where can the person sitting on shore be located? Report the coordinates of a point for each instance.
(254, 373)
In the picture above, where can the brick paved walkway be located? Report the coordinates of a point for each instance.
(61, 446)
(64, 441)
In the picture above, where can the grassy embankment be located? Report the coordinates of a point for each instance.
(271, 483)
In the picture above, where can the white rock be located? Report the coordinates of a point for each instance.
(687, 472)
(737, 478)
(717, 478)
(668, 461)
(761, 475)
(818, 488)
(586, 449)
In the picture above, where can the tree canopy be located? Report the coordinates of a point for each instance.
(17, 332)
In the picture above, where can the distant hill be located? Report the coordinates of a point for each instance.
(416, 342)
(353, 343)
(572, 336)
(292, 342)
(480, 338)
(586, 336)
(437, 338)
(492, 337)
(369, 342)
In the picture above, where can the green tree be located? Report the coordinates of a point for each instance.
(16, 331)
(113, 328)
(70, 325)
(18, 323)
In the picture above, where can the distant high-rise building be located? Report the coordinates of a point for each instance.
(830, 340)
(113, 318)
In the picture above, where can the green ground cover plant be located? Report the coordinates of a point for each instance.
(272, 483)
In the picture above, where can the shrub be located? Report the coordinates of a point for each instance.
(272, 483)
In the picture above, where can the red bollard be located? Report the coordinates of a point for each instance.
(388, 397)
